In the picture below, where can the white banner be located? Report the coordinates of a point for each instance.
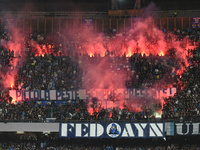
(20, 95)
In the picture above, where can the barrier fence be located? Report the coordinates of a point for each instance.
(120, 23)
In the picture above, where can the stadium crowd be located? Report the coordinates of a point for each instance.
(52, 69)
(53, 142)
(36, 111)
(185, 104)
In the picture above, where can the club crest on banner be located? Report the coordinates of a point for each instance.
(113, 130)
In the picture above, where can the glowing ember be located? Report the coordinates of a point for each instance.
(161, 54)
(91, 55)
(157, 114)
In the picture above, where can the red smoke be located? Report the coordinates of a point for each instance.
(103, 72)
(144, 38)
(17, 45)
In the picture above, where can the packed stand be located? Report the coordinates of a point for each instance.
(50, 62)
(50, 69)
(32, 111)
(48, 73)
(38, 111)
(185, 104)
(62, 73)
(52, 141)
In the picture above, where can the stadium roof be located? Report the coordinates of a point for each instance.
(91, 5)
(177, 4)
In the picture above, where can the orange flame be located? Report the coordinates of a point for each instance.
(91, 54)
(161, 54)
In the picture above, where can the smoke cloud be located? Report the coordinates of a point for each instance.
(111, 69)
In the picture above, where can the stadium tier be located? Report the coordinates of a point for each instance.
(114, 80)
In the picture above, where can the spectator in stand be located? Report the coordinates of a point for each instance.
(185, 104)
(51, 70)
